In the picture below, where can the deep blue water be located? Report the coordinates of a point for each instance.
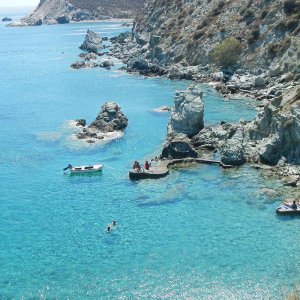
(200, 233)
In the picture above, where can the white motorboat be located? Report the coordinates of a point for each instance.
(84, 169)
(287, 210)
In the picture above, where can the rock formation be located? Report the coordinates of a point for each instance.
(107, 125)
(92, 42)
(272, 137)
(110, 118)
(65, 11)
(187, 115)
(6, 19)
(270, 141)
(194, 40)
(186, 120)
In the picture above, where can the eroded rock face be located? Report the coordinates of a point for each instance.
(272, 136)
(187, 115)
(92, 42)
(186, 120)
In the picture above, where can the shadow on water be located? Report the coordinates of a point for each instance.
(286, 218)
(159, 202)
(84, 178)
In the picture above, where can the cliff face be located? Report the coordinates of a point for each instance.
(265, 33)
(65, 11)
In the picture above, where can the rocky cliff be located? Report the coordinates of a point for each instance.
(254, 35)
(65, 11)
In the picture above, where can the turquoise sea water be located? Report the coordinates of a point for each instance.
(200, 233)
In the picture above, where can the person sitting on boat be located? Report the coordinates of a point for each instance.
(135, 165)
(294, 205)
(147, 166)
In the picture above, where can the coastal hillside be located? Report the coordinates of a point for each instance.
(251, 34)
(65, 11)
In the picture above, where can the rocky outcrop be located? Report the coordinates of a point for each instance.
(6, 19)
(110, 118)
(187, 115)
(92, 42)
(109, 124)
(65, 11)
(271, 138)
(186, 120)
(178, 148)
(84, 65)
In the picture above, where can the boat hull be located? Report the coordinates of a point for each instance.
(86, 169)
(287, 211)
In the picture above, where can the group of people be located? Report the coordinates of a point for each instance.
(137, 166)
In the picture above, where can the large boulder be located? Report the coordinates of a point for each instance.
(232, 153)
(92, 42)
(6, 19)
(110, 118)
(178, 148)
(84, 65)
(63, 20)
(187, 115)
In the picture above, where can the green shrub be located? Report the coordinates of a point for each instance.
(277, 49)
(226, 54)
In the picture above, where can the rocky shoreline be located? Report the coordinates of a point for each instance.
(270, 142)
(143, 56)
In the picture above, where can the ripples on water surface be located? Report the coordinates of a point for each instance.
(200, 233)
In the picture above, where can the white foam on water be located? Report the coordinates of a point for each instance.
(48, 136)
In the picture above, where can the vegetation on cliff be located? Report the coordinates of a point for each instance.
(189, 31)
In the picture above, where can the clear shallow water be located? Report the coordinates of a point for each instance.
(201, 233)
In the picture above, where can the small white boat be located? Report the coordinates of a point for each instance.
(84, 169)
(287, 210)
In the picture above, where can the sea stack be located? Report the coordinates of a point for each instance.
(109, 124)
(186, 121)
(92, 42)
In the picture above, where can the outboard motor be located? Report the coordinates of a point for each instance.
(68, 167)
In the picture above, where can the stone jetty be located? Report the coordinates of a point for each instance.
(161, 169)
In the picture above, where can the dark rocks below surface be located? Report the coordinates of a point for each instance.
(6, 19)
(108, 125)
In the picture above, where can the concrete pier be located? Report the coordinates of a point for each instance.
(161, 169)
